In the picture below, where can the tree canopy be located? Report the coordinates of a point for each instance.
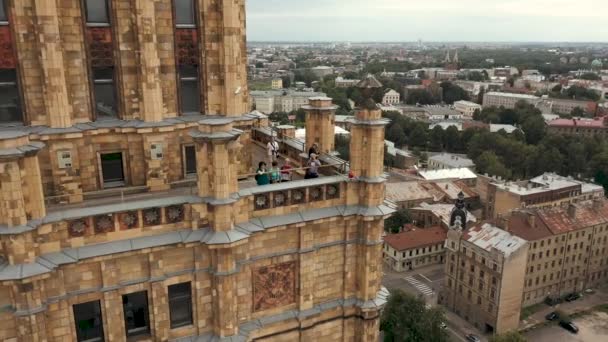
(399, 219)
(407, 319)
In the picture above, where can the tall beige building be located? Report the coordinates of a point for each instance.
(124, 134)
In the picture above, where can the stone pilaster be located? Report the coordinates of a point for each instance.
(31, 320)
(157, 172)
(225, 56)
(306, 269)
(55, 90)
(216, 157)
(151, 97)
(320, 120)
(367, 143)
(225, 293)
(12, 204)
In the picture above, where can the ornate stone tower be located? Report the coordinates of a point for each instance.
(320, 121)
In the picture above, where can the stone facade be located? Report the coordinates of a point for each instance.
(104, 217)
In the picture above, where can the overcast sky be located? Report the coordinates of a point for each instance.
(430, 20)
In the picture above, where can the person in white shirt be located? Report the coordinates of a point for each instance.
(273, 150)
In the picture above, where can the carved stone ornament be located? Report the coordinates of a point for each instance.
(129, 220)
(261, 202)
(78, 227)
(104, 224)
(175, 213)
(280, 199)
(274, 286)
(151, 216)
(316, 194)
(333, 191)
(298, 196)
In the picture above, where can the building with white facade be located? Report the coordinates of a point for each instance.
(467, 108)
(270, 101)
(277, 83)
(342, 82)
(391, 97)
(507, 100)
(444, 161)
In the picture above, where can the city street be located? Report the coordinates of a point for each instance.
(592, 328)
(426, 282)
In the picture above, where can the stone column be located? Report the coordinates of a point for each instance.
(21, 197)
(367, 144)
(31, 318)
(155, 150)
(55, 90)
(320, 120)
(151, 104)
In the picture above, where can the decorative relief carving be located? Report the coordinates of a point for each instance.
(186, 41)
(274, 286)
(128, 220)
(104, 224)
(174, 213)
(100, 46)
(333, 191)
(78, 227)
(280, 198)
(298, 196)
(7, 55)
(316, 193)
(151, 216)
(261, 202)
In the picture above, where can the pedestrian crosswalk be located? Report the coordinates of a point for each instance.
(420, 286)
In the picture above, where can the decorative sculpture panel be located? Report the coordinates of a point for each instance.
(274, 286)
(104, 224)
(100, 46)
(7, 55)
(78, 227)
(186, 42)
(128, 220)
(152, 217)
(174, 213)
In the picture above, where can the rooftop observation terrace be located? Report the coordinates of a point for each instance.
(291, 148)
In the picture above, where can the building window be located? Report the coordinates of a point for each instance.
(135, 308)
(180, 305)
(112, 171)
(104, 92)
(189, 89)
(190, 161)
(97, 11)
(184, 13)
(89, 323)
(10, 102)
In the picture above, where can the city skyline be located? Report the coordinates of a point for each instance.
(435, 20)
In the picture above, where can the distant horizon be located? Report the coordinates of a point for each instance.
(498, 21)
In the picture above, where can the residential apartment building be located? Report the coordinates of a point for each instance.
(414, 248)
(277, 83)
(121, 214)
(449, 161)
(391, 97)
(568, 248)
(431, 215)
(507, 100)
(467, 108)
(485, 274)
(543, 191)
(565, 106)
(271, 101)
(579, 126)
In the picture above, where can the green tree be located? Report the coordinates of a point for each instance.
(407, 319)
(259, 65)
(489, 163)
(453, 93)
(420, 96)
(534, 128)
(451, 139)
(397, 135)
(418, 136)
(436, 139)
(577, 112)
(512, 336)
(395, 223)
(476, 76)
(591, 76)
(342, 146)
(286, 82)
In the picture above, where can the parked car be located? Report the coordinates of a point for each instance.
(571, 327)
(572, 297)
(473, 338)
(552, 316)
(552, 301)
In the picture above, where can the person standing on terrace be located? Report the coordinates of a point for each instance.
(273, 150)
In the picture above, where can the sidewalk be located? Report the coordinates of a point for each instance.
(587, 302)
(461, 327)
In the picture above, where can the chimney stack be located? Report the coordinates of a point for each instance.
(571, 211)
(532, 220)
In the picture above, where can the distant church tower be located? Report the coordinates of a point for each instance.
(447, 59)
(455, 60)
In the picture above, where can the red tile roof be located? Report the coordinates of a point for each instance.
(416, 237)
(586, 123)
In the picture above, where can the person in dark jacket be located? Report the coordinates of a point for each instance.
(314, 149)
(261, 175)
